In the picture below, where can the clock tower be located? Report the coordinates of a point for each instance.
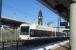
(40, 18)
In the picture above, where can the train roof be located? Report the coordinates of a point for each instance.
(39, 27)
(44, 28)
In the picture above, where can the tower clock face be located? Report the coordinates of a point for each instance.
(40, 17)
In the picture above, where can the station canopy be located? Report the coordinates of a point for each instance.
(60, 7)
(11, 22)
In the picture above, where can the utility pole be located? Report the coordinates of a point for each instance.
(14, 15)
(0, 16)
(58, 23)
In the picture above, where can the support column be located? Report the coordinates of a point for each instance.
(73, 26)
(0, 19)
(55, 32)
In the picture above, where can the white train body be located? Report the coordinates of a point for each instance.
(30, 32)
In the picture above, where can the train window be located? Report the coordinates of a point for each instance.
(31, 32)
(25, 30)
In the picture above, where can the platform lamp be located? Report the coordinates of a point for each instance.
(0, 17)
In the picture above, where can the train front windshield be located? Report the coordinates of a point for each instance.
(25, 30)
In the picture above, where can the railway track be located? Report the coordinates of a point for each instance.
(31, 42)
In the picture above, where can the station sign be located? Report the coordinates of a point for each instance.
(63, 24)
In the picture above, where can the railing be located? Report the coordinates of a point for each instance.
(12, 45)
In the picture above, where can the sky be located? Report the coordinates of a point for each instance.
(27, 11)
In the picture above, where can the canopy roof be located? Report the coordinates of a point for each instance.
(10, 22)
(60, 7)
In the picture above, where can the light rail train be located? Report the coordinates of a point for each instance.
(31, 32)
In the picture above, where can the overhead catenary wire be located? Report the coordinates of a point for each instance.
(17, 10)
